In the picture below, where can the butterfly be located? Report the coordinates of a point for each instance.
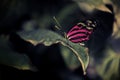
(81, 32)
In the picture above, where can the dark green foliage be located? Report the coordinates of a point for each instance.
(31, 48)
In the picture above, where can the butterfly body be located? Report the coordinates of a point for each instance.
(81, 32)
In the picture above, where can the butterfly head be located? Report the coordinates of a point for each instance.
(90, 24)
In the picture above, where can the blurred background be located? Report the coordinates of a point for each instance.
(21, 60)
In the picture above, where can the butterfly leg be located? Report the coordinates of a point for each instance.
(82, 44)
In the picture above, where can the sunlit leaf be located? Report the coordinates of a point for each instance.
(48, 38)
(109, 69)
(91, 5)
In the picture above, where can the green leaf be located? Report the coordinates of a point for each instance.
(69, 58)
(92, 2)
(48, 38)
(110, 65)
(11, 58)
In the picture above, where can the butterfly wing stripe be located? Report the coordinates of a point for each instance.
(75, 28)
(78, 31)
(77, 35)
(80, 40)
(77, 41)
(90, 32)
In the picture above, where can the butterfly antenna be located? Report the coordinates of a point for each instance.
(59, 27)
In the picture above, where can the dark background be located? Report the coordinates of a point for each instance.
(48, 62)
